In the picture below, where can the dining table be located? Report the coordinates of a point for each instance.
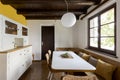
(69, 61)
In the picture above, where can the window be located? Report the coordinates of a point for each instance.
(102, 31)
(24, 31)
(10, 28)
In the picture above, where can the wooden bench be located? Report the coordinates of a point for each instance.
(114, 61)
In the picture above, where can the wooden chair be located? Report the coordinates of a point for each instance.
(51, 72)
(50, 56)
(72, 77)
(47, 58)
(49, 52)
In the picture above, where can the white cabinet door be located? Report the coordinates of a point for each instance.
(19, 30)
(3, 66)
(28, 56)
(25, 35)
(9, 24)
(1, 30)
(15, 63)
(12, 68)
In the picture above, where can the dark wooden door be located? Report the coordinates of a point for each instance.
(47, 39)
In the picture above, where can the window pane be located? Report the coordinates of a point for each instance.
(107, 43)
(94, 32)
(91, 23)
(107, 30)
(107, 17)
(94, 42)
(94, 22)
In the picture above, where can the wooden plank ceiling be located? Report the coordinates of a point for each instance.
(50, 9)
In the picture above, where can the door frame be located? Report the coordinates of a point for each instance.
(48, 25)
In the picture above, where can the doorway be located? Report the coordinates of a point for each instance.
(47, 40)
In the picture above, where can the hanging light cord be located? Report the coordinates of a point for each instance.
(66, 4)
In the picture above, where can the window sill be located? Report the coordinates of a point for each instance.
(103, 54)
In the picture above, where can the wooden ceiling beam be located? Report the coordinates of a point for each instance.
(84, 2)
(44, 14)
(96, 1)
(43, 17)
(47, 14)
(37, 11)
(46, 17)
(50, 14)
(50, 7)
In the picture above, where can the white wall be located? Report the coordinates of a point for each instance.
(82, 29)
(63, 36)
(68, 37)
(80, 34)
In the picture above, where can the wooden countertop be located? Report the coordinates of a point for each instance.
(15, 49)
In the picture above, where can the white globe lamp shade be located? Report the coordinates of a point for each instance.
(68, 19)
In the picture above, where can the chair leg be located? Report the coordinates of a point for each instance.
(54, 77)
(49, 74)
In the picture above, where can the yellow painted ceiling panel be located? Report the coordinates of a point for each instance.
(10, 12)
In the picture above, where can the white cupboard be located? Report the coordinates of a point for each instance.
(15, 54)
(15, 62)
(9, 31)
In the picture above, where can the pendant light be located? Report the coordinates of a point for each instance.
(68, 19)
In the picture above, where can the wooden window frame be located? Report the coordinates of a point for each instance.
(99, 28)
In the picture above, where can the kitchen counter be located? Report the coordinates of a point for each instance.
(15, 49)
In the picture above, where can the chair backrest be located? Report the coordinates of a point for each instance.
(49, 52)
(50, 56)
(47, 58)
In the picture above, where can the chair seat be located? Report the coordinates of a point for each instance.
(72, 77)
(93, 74)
